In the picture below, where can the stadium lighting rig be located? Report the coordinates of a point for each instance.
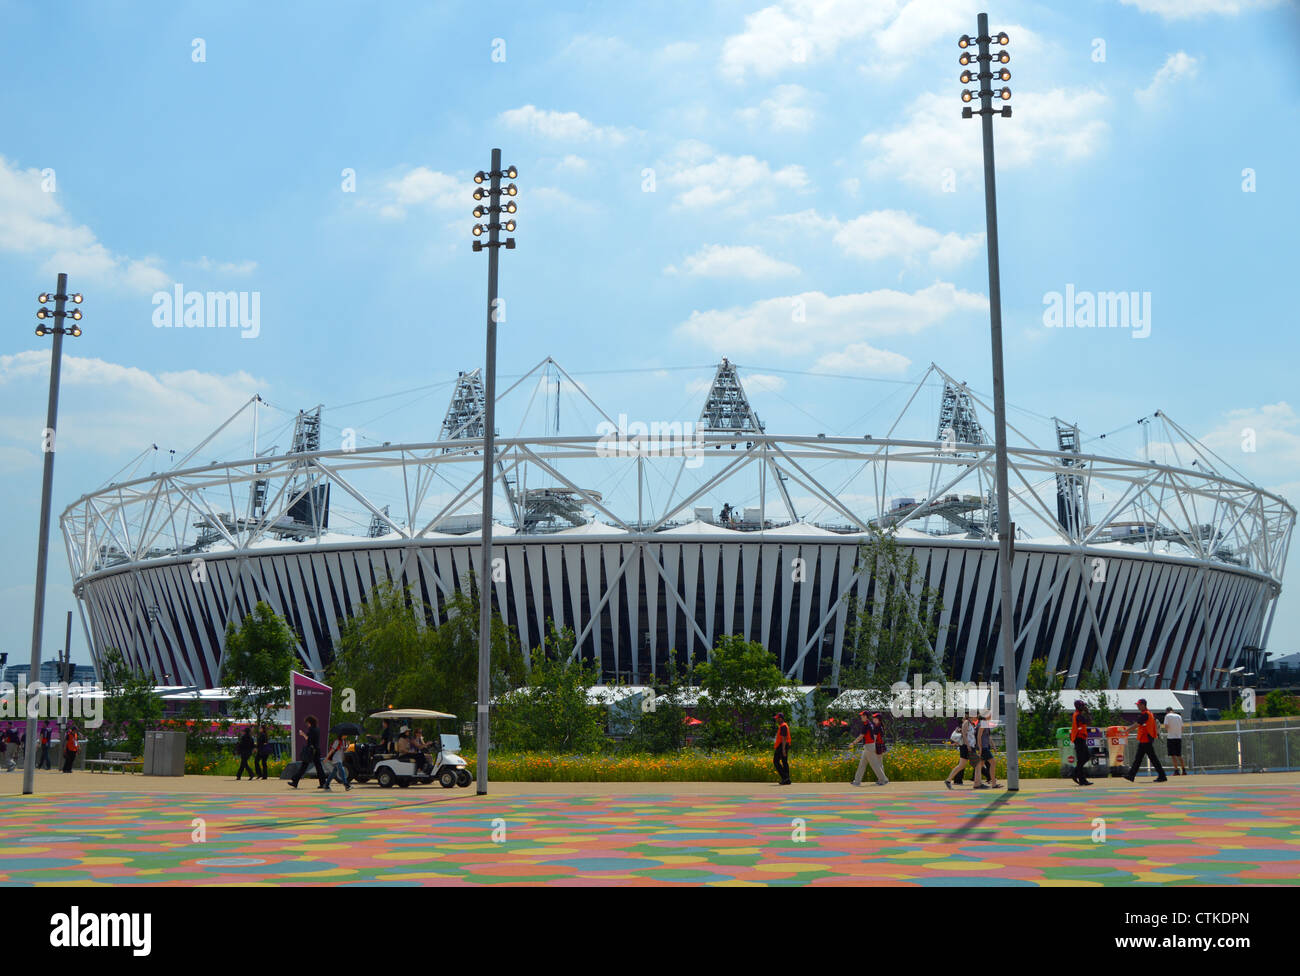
(496, 205)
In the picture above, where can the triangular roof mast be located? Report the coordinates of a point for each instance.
(727, 411)
(726, 408)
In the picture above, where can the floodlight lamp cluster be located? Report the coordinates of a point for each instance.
(984, 74)
(58, 314)
(493, 201)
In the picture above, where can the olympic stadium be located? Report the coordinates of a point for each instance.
(647, 538)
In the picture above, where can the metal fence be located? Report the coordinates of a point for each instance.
(1248, 746)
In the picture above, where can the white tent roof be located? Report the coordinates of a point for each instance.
(592, 528)
(700, 528)
(799, 528)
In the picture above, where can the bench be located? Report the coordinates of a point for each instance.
(118, 760)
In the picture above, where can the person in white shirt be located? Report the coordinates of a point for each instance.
(1173, 724)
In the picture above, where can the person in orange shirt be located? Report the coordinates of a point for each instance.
(70, 746)
(1079, 723)
(1148, 730)
(781, 753)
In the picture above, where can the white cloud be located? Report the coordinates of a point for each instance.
(563, 126)
(1058, 124)
(573, 164)
(810, 321)
(733, 261)
(883, 234)
(1177, 67)
(1185, 9)
(421, 187)
(859, 357)
(794, 33)
(33, 222)
(706, 180)
(112, 409)
(226, 267)
(786, 110)
(895, 234)
(1263, 441)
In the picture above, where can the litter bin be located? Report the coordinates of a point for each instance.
(1065, 748)
(164, 754)
(1097, 752)
(1116, 743)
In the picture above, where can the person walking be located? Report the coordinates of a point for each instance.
(1148, 730)
(71, 743)
(244, 749)
(984, 746)
(337, 755)
(873, 747)
(10, 746)
(43, 758)
(1173, 725)
(781, 749)
(263, 753)
(965, 743)
(1079, 723)
(311, 755)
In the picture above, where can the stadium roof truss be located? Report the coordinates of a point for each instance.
(410, 490)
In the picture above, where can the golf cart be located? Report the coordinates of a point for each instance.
(443, 765)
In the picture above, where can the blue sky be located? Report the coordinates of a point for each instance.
(686, 171)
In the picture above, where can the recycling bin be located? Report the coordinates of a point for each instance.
(1116, 744)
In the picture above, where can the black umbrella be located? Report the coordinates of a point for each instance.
(346, 728)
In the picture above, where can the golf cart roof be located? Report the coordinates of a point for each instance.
(410, 713)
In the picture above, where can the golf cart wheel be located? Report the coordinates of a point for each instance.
(386, 778)
(447, 778)
(463, 778)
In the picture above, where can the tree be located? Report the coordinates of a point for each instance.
(743, 687)
(1092, 689)
(390, 653)
(1038, 724)
(260, 653)
(660, 726)
(553, 711)
(131, 708)
(893, 631)
(1278, 703)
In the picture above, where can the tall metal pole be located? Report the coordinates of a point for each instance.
(489, 454)
(66, 674)
(43, 539)
(1006, 631)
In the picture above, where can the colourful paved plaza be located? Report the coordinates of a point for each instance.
(1202, 835)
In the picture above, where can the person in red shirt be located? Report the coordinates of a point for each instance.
(873, 741)
(1079, 736)
(781, 753)
(1148, 730)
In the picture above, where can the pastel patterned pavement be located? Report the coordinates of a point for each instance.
(875, 837)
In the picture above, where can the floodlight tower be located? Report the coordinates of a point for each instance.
(59, 314)
(991, 67)
(494, 202)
